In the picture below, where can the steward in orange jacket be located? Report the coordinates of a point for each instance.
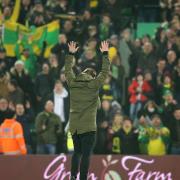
(12, 139)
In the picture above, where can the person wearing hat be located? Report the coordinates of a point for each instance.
(175, 131)
(84, 101)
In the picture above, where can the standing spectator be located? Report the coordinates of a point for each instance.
(25, 118)
(12, 138)
(176, 78)
(128, 138)
(43, 85)
(105, 27)
(4, 109)
(113, 143)
(157, 137)
(104, 118)
(4, 79)
(171, 61)
(48, 126)
(68, 30)
(26, 6)
(16, 95)
(60, 98)
(62, 7)
(23, 79)
(60, 50)
(138, 90)
(148, 58)
(175, 132)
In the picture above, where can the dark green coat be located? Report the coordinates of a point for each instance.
(53, 128)
(84, 96)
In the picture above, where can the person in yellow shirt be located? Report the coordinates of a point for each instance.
(157, 137)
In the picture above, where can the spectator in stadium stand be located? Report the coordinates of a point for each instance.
(4, 109)
(104, 117)
(60, 49)
(4, 79)
(68, 30)
(24, 52)
(105, 27)
(62, 7)
(38, 15)
(147, 58)
(176, 78)
(126, 139)
(43, 85)
(25, 117)
(175, 131)
(60, 97)
(3, 60)
(171, 61)
(150, 109)
(112, 144)
(12, 138)
(54, 67)
(26, 6)
(158, 79)
(48, 126)
(23, 79)
(138, 90)
(157, 137)
(142, 126)
(15, 95)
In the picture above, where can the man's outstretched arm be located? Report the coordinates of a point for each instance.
(105, 64)
(69, 62)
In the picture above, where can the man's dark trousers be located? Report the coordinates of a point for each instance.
(83, 148)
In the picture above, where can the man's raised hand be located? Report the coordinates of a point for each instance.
(104, 46)
(73, 47)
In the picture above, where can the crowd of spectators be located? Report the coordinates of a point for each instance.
(140, 111)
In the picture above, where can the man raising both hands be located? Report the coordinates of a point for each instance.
(84, 101)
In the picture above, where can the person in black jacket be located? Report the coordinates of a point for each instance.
(128, 138)
(175, 131)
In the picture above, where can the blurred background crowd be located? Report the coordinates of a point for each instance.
(140, 111)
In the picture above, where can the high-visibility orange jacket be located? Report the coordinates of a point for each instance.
(12, 139)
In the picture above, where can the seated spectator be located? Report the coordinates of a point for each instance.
(48, 126)
(126, 139)
(157, 137)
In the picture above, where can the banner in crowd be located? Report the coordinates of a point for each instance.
(116, 167)
(34, 36)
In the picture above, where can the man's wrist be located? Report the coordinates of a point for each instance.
(105, 53)
(72, 53)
